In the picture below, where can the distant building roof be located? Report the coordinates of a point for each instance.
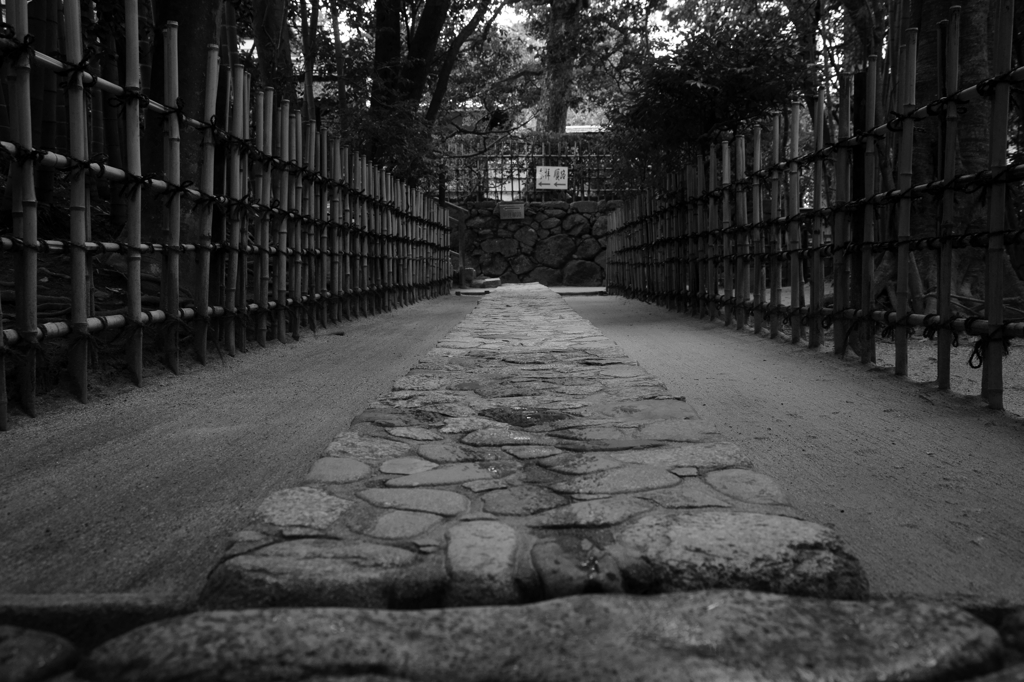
(584, 129)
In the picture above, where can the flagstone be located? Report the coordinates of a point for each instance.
(444, 475)
(521, 500)
(406, 466)
(337, 470)
(307, 507)
(627, 479)
(442, 502)
(413, 433)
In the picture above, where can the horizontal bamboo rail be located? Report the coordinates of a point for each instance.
(302, 232)
(688, 244)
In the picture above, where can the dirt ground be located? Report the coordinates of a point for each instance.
(140, 490)
(926, 487)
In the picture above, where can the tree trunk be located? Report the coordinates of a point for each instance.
(273, 43)
(387, 54)
(310, 29)
(339, 58)
(562, 47)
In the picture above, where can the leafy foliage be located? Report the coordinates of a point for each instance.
(733, 64)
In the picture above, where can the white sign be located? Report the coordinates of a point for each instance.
(552, 177)
(512, 211)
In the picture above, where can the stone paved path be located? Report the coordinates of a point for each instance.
(600, 531)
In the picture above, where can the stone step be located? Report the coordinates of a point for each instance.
(706, 635)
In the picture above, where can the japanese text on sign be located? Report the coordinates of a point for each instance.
(552, 177)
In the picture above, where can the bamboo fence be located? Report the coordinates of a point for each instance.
(308, 232)
(718, 239)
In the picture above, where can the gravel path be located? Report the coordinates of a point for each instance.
(139, 490)
(923, 486)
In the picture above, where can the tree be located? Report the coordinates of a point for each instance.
(733, 64)
(590, 47)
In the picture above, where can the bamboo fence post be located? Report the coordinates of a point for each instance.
(992, 366)
(742, 237)
(294, 132)
(310, 206)
(949, 82)
(728, 257)
(377, 243)
(265, 145)
(867, 260)
(704, 243)
(78, 348)
(242, 303)
(24, 212)
(336, 230)
(348, 240)
(676, 227)
(282, 130)
(714, 251)
(133, 163)
(365, 293)
(325, 226)
(693, 240)
(172, 213)
(775, 234)
(202, 323)
(757, 215)
(908, 60)
(841, 266)
(235, 213)
(796, 285)
(358, 229)
(817, 293)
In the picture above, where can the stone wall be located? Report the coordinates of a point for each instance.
(557, 243)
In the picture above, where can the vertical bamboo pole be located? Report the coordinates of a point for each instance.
(242, 295)
(742, 238)
(326, 302)
(202, 323)
(867, 259)
(775, 238)
(756, 236)
(992, 369)
(309, 205)
(133, 162)
(714, 236)
(24, 213)
(365, 292)
(282, 148)
(817, 266)
(78, 351)
(796, 284)
(172, 212)
(704, 243)
(906, 173)
(265, 144)
(949, 46)
(728, 279)
(295, 228)
(694, 252)
(841, 264)
(389, 197)
(347, 200)
(235, 215)
(337, 230)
